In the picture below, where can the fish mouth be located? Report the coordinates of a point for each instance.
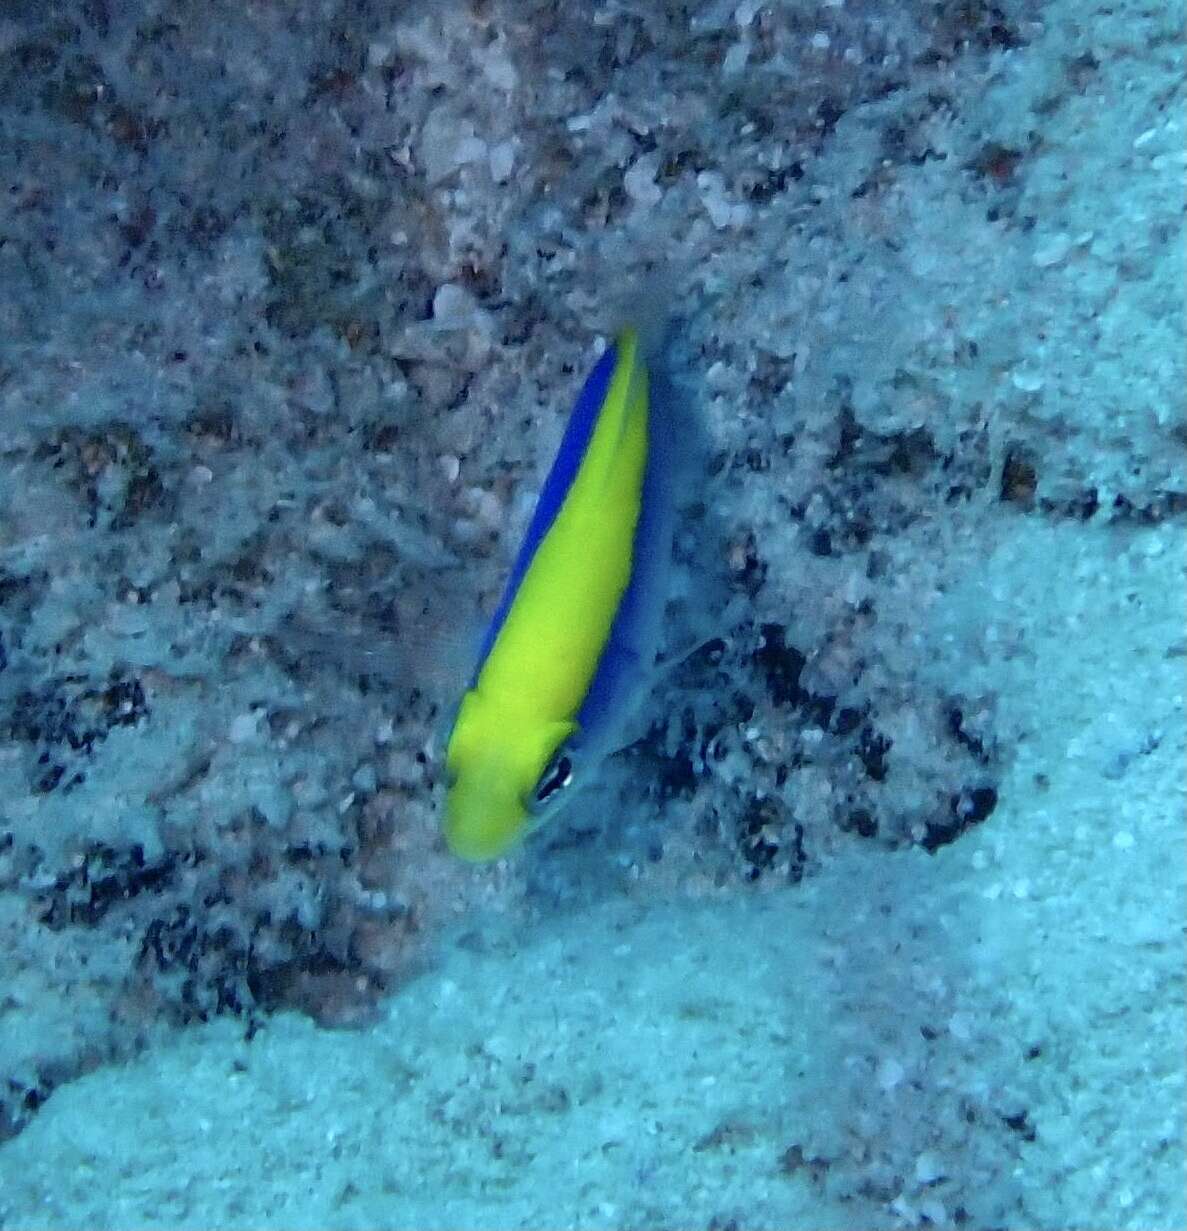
(481, 826)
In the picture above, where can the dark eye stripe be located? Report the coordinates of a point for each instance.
(558, 776)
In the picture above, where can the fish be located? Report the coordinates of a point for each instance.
(572, 645)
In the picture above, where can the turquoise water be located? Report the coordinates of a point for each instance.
(878, 920)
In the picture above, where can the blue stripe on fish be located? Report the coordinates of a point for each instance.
(631, 648)
(556, 486)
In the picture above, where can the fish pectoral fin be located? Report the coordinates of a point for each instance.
(677, 658)
(657, 674)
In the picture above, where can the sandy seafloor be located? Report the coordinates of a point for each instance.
(615, 1068)
(980, 1032)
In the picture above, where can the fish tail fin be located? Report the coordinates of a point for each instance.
(645, 302)
(649, 311)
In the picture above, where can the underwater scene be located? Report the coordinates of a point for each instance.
(593, 617)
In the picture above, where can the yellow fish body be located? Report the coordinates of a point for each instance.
(574, 638)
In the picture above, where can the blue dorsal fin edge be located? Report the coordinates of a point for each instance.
(626, 667)
(556, 487)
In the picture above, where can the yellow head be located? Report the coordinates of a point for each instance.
(496, 762)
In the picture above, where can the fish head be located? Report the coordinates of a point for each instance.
(506, 774)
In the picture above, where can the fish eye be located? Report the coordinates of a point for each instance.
(555, 778)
